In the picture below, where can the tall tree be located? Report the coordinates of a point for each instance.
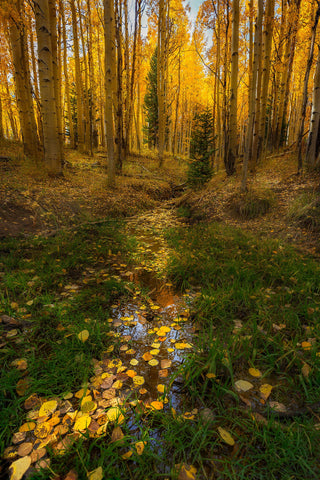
(51, 142)
(20, 57)
(110, 73)
(161, 75)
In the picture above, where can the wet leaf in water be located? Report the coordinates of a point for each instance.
(243, 385)
(96, 474)
(166, 363)
(265, 390)
(83, 336)
(155, 351)
(157, 405)
(47, 408)
(182, 345)
(161, 388)
(147, 356)
(138, 380)
(153, 362)
(163, 373)
(226, 437)
(19, 467)
(170, 350)
(254, 372)
(155, 345)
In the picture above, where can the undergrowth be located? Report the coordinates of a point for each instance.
(305, 211)
(259, 307)
(252, 204)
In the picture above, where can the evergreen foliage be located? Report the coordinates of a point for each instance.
(151, 105)
(201, 149)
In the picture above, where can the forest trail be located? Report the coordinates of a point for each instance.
(152, 332)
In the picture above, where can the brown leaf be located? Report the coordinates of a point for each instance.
(166, 363)
(72, 475)
(24, 449)
(117, 434)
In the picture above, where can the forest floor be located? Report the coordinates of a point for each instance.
(156, 333)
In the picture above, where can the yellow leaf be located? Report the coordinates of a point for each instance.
(114, 414)
(147, 356)
(153, 362)
(138, 380)
(127, 455)
(117, 384)
(254, 372)
(29, 303)
(27, 427)
(160, 388)
(42, 430)
(265, 390)
(131, 373)
(47, 408)
(157, 405)
(155, 351)
(82, 422)
(243, 385)
(19, 467)
(186, 472)
(142, 391)
(140, 447)
(306, 370)
(155, 345)
(88, 406)
(134, 362)
(306, 345)
(170, 350)
(96, 474)
(211, 375)
(83, 336)
(226, 437)
(155, 307)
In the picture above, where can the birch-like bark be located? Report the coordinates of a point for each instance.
(78, 78)
(312, 153)
(51, 143)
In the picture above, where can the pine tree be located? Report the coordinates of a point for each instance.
(151, 105)
(201, 149)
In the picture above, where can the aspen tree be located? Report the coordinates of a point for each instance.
(161, 79)
(305, 87)
(253, 88)
(110, 67)
(51, 143)
(66, 75)
(313, 148)
(233, 130)
(78, 77)
(18, 42)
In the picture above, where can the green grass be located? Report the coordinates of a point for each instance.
(35, 274)
(263, 285)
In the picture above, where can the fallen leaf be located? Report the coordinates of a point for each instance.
(306, 370)
(163, 373)
(138, 380)
(155, 351)
(114, 414)
(82, 423)
(165, 363)
(210, 375)
(153, 362)
(47, 408)
(42, 430)
(131, 373)
(226, 437)
(24, 449)
(140, 447)
(142, 391)
(306, 345)
(83, 336)
(96, 474)
(157, 405)
(278, 407)
(19, 468)
(186, 472)
(117, 434)
(71, 475)
(265, 390)
(161, 388)
(147, 356)
(27, 427)
(88, 406)
(127, 455)
(242, 385)
(134, 362)
(254, 372)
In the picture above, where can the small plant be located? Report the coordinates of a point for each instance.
(200, 170)
(305, 210)
(252, 204)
